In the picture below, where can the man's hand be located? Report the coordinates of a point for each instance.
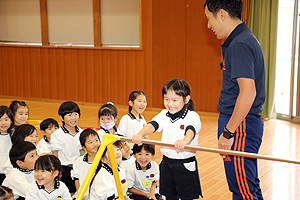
(225, 143)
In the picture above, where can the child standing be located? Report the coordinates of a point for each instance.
(22, 156)
(179, 177)
(47, 185)
(47, 127)
(6, 193)
(90, 143)
(103, 186)
(5, 141)
(65, 141)
(143, 175)
(133, 121)
(20, 113)
(108, 116)
(127, 157)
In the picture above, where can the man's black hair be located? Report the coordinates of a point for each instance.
(233, 7)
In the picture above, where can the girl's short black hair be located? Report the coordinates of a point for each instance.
(22, 132)
(6, 110)
(19, 151)
(86, 133)
(49, 163)
(48, 122)
(147, 147)
(5, 193)
(68, 107)
(108, 109)
(133, 95)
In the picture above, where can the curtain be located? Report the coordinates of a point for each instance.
(245, 13)
(263, 23)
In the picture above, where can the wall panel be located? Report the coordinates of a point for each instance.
(168, 33)
(176, 44)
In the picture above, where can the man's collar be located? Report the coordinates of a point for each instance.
(239, 28)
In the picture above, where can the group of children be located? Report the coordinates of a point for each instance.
(57, 165)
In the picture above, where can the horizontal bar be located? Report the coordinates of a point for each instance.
(222, 151)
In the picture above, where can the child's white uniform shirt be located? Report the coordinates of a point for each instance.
(104, 184)
(67, 145)
(5, 145)
(173, 130)
(142, 179)
(60, 191)
(126, 163)
(19, 181)
(129, 125)
(81, 167)
(44, 146)
(103, 131)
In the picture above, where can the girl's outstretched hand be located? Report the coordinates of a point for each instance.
(179, 145)
(137, 139)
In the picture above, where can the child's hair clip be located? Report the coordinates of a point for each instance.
(110, 103)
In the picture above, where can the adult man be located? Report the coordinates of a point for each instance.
(240, 126)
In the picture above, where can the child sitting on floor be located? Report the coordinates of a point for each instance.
(22, 157)
(103, 186)
(47, 127)
(47, 186)
(90, 143)
(143, 175)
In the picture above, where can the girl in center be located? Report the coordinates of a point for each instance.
(179, 177)
(108, 116)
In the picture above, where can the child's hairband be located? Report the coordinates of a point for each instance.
(110, 103)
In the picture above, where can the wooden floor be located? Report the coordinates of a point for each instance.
(279, 181)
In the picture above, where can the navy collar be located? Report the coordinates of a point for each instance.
(42, 187)
(133, 117)
(85, 159)
(106, 131)
(128, 157)
(24, 170)
(68, 132)
(105, 166)
(180, 114)
(46, 139)
(138, 166)
(235, 32)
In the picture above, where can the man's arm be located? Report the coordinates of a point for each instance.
(242, 107)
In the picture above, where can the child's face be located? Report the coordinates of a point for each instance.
(173, 102)
(92, 144)
(48, 131)
(21, 115)
(118, 156)
(29, 160)
(33, 138)
(143, 158)
(139, 104)
(46, 178)
(5, 123)
(125, 149)
(107, 119)
(71, 119)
